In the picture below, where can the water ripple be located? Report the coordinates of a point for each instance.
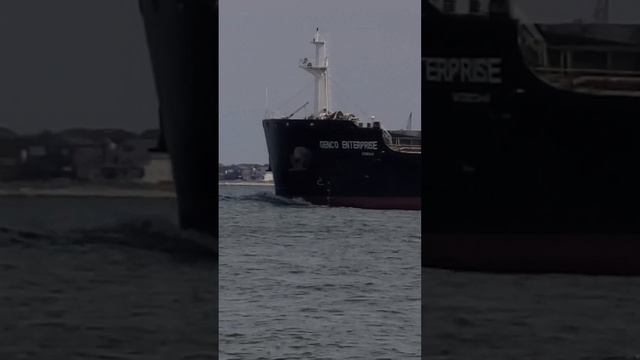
(312, 282)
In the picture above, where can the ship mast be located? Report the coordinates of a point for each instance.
(319, 70)
(601, 12)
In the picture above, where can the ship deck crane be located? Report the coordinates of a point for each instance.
(297, 110)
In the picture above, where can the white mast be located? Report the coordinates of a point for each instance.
(319, 69)
(267, 114)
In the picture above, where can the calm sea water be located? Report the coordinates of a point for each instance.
(309, 282)
(98, 278)
(563, 317)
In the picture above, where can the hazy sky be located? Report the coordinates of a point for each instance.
(374, 59)
(374, 52)
(72, 63)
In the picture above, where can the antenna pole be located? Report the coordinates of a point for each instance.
(266, 103)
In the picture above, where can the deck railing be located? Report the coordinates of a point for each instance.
(592, 72)
(592, 80)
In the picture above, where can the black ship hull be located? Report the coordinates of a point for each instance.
(182, 38)
(337, 163)
(521, 175)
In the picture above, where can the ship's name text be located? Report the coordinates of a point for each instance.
(463, 70)
(349, 145)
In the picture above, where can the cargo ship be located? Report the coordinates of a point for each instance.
(533, 136)
(334, 158)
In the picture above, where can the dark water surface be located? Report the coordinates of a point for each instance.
(100, 278)
(563, 317)
(308, 282)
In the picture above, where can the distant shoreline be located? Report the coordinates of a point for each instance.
(71, 189)
(43, 189)
(244, 183)
(87, 192)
